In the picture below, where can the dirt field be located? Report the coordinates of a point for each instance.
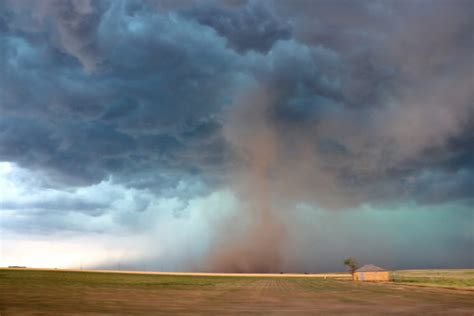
(30, 292)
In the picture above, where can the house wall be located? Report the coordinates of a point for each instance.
(372, 276)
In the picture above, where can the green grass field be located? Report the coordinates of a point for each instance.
(34, 292)
(458, 278)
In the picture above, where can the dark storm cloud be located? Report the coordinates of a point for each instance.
(131, 98)
(127, 86)
(25, 139)
(400, 103)
(248, 26)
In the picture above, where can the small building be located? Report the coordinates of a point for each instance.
(371, 272)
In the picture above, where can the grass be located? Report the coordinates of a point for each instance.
(33, 292)
(458, 278)
(97, 279)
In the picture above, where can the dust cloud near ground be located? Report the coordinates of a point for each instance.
(255, 246)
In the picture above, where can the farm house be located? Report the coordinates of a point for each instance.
(370, 272)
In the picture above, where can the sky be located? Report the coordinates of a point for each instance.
(236, 136)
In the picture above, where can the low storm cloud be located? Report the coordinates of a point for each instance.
(237, 135)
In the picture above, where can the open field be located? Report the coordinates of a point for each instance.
(336, 275)
(458, 278)
(37, 292)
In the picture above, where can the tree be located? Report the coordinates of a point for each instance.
(351, 264)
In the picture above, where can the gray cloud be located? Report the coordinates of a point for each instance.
(246, 26)
(143, 106)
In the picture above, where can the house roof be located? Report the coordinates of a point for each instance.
(370, 268)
